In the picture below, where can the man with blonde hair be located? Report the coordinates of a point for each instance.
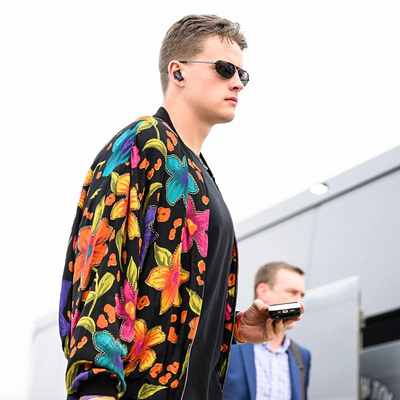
(279, 369)
(148, 299)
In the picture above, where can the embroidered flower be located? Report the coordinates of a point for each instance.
(228, 309)
(167, 279)
(64, 324)
(92, 248)
(180, 182)
(74, 321)
(149, 234)
(135, 157)
(121, 150)
(141, 352)
(195, 228)
(110, 355)
(126, 310)
(120, 209)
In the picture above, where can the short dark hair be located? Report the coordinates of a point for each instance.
(184, 40)
(267, 273)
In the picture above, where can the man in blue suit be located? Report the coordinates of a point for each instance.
(275, 370)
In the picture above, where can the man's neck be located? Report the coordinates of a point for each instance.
(275, 343)
(191, 129)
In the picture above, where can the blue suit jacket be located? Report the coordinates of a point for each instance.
(241, 383)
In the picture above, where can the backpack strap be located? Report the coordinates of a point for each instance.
(300, 363)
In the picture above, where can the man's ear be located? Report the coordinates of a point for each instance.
(174, 72)
(262, 289)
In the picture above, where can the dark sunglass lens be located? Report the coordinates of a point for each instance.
(225, 69)
(244, 77)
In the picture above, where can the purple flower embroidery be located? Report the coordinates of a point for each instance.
(149, 234)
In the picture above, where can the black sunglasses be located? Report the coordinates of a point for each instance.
(225, 69)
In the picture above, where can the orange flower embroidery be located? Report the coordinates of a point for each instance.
(173, 367)
(112, 260)
(110, 199)
(183, 316)
(193, 327)
(82, 342)
(82, 198)
(167, 279)
(205, 200)
(172, 234)
(173, 138)
(228, 326)
(150, 174)
(175, 383)
(158, 164)
(89, 178)
(92, 248)
(110, 311)
(131, 200)
(200, 281)
(232, 279)
(173, 317)
(155, 371)
(144, 164)
(172, 336)
(141, 352)
(177, 222)
(102, 322)
(163, 214)
(200, 176)
(170, 146)
(143, 302)
(202, 266)
(164, 379)
(84, 295)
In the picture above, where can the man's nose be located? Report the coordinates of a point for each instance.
(236, 83)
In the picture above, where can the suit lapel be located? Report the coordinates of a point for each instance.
(247, 352)
(295, 379)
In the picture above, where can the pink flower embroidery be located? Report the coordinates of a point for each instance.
(196, 224)
(126, 310)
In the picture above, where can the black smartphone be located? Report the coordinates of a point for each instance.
(285, 310)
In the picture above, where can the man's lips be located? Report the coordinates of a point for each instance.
(232, 99)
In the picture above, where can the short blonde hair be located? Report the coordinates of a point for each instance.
(184, 40)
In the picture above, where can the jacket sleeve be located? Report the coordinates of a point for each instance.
(107, 248)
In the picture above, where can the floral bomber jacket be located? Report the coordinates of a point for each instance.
(133, 282)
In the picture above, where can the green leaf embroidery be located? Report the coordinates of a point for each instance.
(118, 242)
(98, 214)
(95, 194)
(114, 179)
(153, 187)
(185, 363)
(232, 291)
(148, 390)
(162, 256)
(132, 273)
(87, 323)
(223, 368)
(195, 301)
(90, 297)
(105, 284)
(156, 144)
